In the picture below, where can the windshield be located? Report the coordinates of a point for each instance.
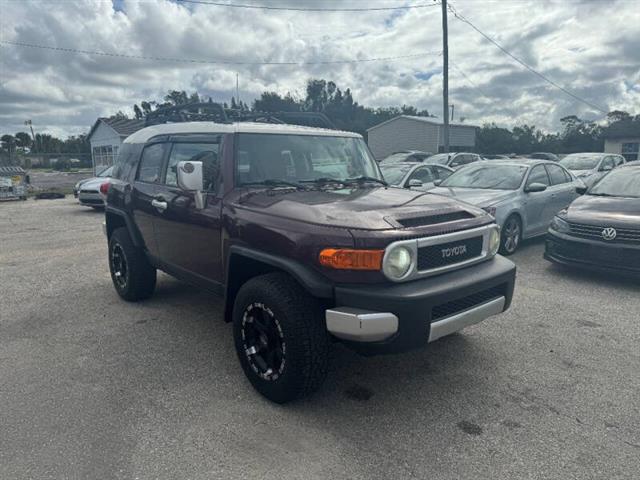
(580, 162)
(106, 172)
(290, 159)
(396, 157)
(499, 177)
(619, 183)
(440, 158)
(394, 173)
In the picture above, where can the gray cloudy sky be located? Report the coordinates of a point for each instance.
(589, 47)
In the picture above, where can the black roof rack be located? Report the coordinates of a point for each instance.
(214, 112)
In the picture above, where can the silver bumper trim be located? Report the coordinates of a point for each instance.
(454, 323)
(104, 228)
(361, 325)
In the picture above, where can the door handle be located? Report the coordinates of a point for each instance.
(159, 205)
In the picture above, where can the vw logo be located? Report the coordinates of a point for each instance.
(609, 233)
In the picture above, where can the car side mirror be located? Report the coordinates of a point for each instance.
(190, 179)
(437, 182)
(535, 187)
(414, 182)
(581, 189)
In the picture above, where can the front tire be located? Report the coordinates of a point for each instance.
(131, 273)
(511, 235)
(280, 337)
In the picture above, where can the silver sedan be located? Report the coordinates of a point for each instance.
(522, 195)
(88, 192)
(414, 175)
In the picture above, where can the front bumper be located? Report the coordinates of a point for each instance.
(393, 318)
(592, 254)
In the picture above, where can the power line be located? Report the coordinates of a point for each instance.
(299, 9)
(525, 65)
(461, 72)
(213, 62)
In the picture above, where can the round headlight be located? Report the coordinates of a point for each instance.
(397, 262)
(494, 241)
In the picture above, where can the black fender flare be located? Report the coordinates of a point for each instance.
(136, 238)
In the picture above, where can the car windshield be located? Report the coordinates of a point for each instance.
(580, 162)
(394, 173)
(396, 157)
(291, 159)
(440, 158)
(107, 172)
(499, 177)
(623, 182)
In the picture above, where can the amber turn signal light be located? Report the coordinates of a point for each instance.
(349, 259)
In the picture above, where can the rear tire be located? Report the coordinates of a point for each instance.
(133, 276)
(511, 235)
(280, 337)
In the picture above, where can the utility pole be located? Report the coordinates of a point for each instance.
(445, 76)
(33, 137)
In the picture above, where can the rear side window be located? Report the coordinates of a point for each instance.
(423, 174)
(538, 175)
(150, 169)
(556, 174)
(207, 153)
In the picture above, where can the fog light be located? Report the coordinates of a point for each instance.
(397, 262)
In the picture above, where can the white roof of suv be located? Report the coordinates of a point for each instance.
(142, 136)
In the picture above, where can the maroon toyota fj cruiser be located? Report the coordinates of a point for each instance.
(297, 230)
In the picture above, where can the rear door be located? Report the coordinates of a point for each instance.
(144, 191)
(189, 238)
(536, 202)
(562, 188)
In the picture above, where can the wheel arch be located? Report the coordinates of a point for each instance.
(245, 263)
(115, 218)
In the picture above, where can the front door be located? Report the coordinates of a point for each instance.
(189, 238)
(536, 202)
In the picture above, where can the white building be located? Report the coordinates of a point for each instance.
(106, 137)
(406, 132)
(623, 138)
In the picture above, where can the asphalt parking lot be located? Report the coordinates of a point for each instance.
(93, 387)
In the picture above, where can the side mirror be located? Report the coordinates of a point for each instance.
(437, 182)
(190, 179)
(581, 189)
(535, 187)
(414, 182)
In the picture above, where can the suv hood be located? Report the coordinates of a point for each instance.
(376, 208)
(476, 196)
(606, 211)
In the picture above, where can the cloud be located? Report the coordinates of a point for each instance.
(591, 48)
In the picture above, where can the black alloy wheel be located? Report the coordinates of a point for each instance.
(119, 268)
(263, 341)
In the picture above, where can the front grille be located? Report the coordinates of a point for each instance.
(433, 219)
(594, 232)
(614, 256)
(464, 303)
(435, 256)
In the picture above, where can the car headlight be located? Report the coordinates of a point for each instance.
(397, 262)
(559, 225)
(490, 210)
(494, 241)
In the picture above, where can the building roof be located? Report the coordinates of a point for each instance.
(421, 119)
(123, 127)
(145, 134)
(623, 129)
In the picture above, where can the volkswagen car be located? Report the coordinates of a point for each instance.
(523, 195)
(602, 228)
(591, 167)
(414, 175)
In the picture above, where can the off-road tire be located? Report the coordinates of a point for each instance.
(140, 275)
(507, 248)
(302, 329)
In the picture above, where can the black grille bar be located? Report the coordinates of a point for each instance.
(464, 303)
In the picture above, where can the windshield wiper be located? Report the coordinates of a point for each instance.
(364, 179)
(272, 182)
(322, 180)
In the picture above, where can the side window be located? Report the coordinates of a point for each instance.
(150, 168)
(538, 174)
(440, 173)
(207, 153)
(567, 176)
(457, 161)
(423, 174)
(607, 164)
(619, 160)
(556, 174)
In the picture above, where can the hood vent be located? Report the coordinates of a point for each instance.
(434, 219)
